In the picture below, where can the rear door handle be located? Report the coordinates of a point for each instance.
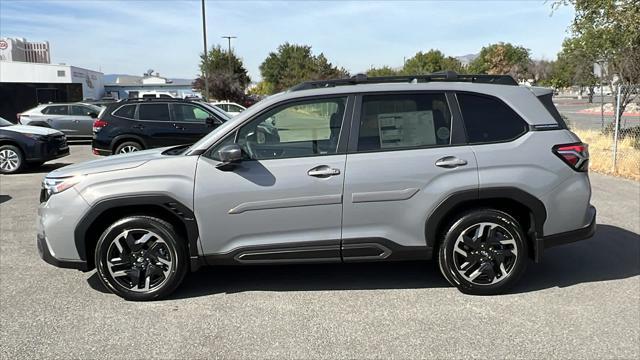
(450, 162)
(138, 127)
(179, 127)
(323, 171)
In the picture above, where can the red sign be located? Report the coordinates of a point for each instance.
(3, 45)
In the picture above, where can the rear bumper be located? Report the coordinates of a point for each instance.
(566, 237)
(45, 254)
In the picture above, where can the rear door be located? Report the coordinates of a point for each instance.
(407, 153)
(57, 117)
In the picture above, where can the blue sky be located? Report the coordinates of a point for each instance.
(133, 36)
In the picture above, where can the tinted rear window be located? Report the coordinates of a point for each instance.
(157, 112)
(488, 119)
(127, 111)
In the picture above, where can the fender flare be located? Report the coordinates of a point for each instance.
(127, 137)
(179, 210)
(536, 208)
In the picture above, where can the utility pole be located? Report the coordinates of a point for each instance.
(229, 51)
(206, 56)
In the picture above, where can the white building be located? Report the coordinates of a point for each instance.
(23, 50)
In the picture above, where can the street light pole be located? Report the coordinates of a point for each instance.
(229, 51)
(204, 68)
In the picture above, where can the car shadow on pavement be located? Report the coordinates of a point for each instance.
(613, 253)
(45, 168)
(4, 198)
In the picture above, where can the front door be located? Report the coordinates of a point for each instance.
(192, 121)
(283, 202)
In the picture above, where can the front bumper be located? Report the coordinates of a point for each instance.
(566, 237)
(45, 254)
(43, 151)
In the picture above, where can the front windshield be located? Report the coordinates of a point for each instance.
(4, 122)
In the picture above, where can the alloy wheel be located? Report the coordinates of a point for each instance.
(485, 253)
(139, 260)
(128, 149)
(9, 160)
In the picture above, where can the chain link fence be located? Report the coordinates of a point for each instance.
(614, 142)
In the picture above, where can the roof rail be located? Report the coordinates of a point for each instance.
(433, 77)
(163, 99)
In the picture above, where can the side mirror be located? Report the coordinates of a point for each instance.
(93, 115)
(229, 156)
(211, 121)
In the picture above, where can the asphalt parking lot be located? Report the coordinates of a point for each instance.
(582, 301)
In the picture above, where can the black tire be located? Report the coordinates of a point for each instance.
(119, 265)
(489, 264)
(11, 159)
(129, 146)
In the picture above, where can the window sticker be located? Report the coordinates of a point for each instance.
(406, 129)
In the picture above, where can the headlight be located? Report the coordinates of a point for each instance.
(57, 185)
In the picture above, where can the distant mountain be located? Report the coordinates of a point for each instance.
(466, 59)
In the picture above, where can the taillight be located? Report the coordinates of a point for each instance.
(575, 155)
(98, 125)
(18, 117)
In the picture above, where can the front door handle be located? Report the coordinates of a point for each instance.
(450, 162)
(178, 126)
(323, 171)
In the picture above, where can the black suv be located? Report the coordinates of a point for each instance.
(138, 124)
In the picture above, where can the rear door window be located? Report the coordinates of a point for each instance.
(56, 110)
(404, 121)
(155, 112)
(488, 119)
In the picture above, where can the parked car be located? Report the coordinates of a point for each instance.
(472, 170)
(22, 146)
(138, 124)
(230, 108)
(75, 120)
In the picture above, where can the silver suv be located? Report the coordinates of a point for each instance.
(75, 120)
(473, 170)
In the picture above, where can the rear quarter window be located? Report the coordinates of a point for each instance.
(489, 120)
(127, 112)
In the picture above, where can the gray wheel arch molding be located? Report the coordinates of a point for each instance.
(455, 202)
(179, 211)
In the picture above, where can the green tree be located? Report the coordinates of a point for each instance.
(502, 58)
(382, 71)
(429, 62)
(607, 31)
(579, 65)
(226, 75)
(292, 64)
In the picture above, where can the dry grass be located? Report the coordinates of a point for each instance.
(601, 154)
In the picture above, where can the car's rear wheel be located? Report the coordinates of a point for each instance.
(11, 159)
(141, 258)
(484, 252)
(127, 147)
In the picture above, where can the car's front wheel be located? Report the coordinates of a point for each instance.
(11, 159)
(484, 252)
(141, 258)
